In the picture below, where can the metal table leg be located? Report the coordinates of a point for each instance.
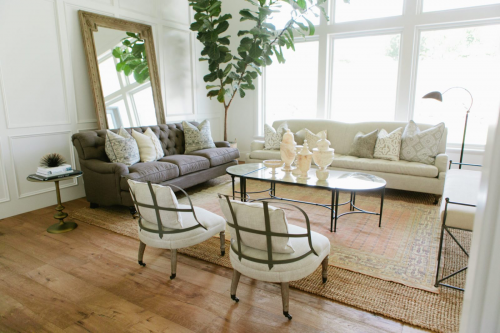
(337, 194)
(381, 207)
(232, 177)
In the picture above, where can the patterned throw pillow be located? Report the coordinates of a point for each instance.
(388, 145)
(165, 197)
(312, 139)
(251, 215)
(197, 138)
(121, 148)
(417, 146)
(364, 144)
(272, 137)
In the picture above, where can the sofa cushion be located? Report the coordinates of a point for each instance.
(218, 156)
(265, 154)
(398, 167)
(187, 163)
(421, 146)
(155, 172)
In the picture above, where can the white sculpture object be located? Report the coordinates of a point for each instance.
(287, 150)
(304, 161)
(323, 157)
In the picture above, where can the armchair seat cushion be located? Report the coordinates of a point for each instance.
(218, 156)
(375, 164)
(213, 222)
(283, 272)
(155, 172)
(187, 163)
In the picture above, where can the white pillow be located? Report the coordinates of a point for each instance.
(156, 142)
(300, 136)
(272, 137)
(312, 139)
(388, 145)
(146, 147)
(121, 147)
(251, 215)
(421, 146)
(165, 197)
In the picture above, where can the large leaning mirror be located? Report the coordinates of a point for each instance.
(123, 71)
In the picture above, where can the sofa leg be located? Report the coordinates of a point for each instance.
(234, 285)
(285, 295)
(222, 243)
(173, 262)
(94, 205)
(436, 199)
(324, 271)
(142, 247)
(133, 211)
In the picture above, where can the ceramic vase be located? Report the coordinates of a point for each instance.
(287, 150)
(304, 161)
(295, 169)
(323, 157)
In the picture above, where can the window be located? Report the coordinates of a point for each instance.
(356, 10)
(364, 78)
(110, 82)
(434, 5)
(145, 106)
(291, 88)
(465, 57)
(285, 12)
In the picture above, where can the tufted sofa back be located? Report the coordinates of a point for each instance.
(90, 144)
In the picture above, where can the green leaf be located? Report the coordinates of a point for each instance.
(222, 27)
(195, 26)
(213, 93)
(228, 69)
(242, 93)
(312, 29)
(131, 34)
(214, 52)
(246, 15)
(203, 59)
(302, 4)
(210, 77)
(127, 70)
(255, 51)
(117, 52)
(119, 66)
(214, 5)
(248, 86)
(243, 32)
(223, 41)
(212, 86)
(221, 95)
(126, 42)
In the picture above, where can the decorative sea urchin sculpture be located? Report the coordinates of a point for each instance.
(52, 160)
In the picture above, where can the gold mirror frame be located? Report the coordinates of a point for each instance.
(89, 23)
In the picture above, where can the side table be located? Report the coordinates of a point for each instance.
(62, 226)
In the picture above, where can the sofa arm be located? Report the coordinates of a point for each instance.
(106, 167)
(441, 162)
(222, 144)
(102, 181)
(257, 145)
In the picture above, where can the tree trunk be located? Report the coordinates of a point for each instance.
(225, 122)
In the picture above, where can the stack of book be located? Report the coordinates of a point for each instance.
(46, 173)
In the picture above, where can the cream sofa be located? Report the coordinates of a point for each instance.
(401, 175)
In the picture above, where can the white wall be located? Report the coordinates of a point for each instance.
(45, 94)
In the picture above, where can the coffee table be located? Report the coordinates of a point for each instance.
(338, 181)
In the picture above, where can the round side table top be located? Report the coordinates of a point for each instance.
(53, 180)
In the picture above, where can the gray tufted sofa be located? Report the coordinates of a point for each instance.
(106, 182)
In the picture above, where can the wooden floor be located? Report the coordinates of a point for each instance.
(88, 280)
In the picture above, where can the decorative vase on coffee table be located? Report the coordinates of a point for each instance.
(323, 157)
(287, 150)
(304, 161)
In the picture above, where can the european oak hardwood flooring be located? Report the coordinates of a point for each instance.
(88, 280)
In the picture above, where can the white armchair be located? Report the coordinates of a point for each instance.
(165, 224)
(265, 247)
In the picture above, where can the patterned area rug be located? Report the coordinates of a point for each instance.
(365, 260)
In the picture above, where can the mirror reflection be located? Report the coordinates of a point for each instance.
(125, 79)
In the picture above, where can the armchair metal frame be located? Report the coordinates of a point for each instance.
(161, 229)
(270, 262)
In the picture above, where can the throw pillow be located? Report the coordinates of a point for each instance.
(300, 136)
(146, 147)
(156, 142)
(251, 215)
(364, 144)
(312, 139)
(165, 197)
(421, 146)
(121, 148)
(196, 138)
(388, 145)
(272, 137)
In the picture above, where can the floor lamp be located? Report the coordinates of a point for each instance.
(439, 97)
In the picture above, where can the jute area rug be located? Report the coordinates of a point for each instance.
(387, 271)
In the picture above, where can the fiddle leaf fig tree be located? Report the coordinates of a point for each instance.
(231, 74)
(132, 57)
